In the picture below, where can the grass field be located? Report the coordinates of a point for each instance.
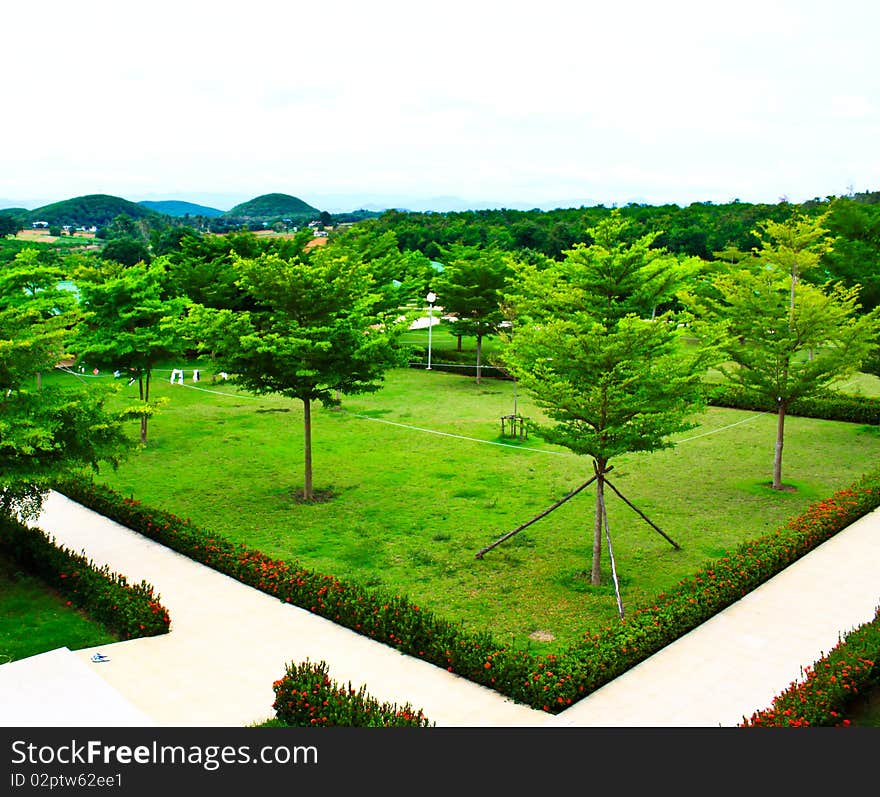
(422, 481)
(35, 618)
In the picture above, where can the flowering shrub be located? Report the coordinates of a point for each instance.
(129, 611)
(549, 682)
(827, 687)
(306, 696)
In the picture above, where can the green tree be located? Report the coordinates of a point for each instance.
(203, 270)
(312, 332)
(610, 379)
(30, 283)
(126, 251)
(398, 277)
(782, 338)
(855, 256)
(124, 326)
(47, 433)
(471, 288)
(8, 225)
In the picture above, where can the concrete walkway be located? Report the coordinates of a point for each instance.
(229, 642)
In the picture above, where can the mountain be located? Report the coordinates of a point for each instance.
(19, 214)
(173, 207)
(92, 209)
(273, 207)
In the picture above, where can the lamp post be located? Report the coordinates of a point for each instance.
(431, 297)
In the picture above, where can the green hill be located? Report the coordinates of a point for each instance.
(273, 207)
(97, 209)
(172, 207)
(18, 215)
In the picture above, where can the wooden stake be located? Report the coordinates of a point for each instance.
(560, 502)
(643, 516)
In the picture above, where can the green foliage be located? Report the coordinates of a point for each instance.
(129, 611)
(784, 339)
(33, 280)
(471, 288)
(44, 432)
(612, 381)
(311, 332)
(51, 431)
(126, 251)
(203, 270)
(306, 696)
(125, 322)
(315, 330)
(697, 230)
(11, 222)
(397, 278)
(856, 251)
(782, 353)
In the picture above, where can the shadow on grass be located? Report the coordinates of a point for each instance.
(321, 495)
(764, 488)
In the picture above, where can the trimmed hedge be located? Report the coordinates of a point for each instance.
(829, 686)
(306, 697)
(550, 682)
(129, 611)
(466, 369)
(830, 407)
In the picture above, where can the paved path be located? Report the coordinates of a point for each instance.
(229, 642)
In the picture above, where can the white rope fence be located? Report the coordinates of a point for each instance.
(423, 429)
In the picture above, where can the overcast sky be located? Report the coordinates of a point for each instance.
(499, 103)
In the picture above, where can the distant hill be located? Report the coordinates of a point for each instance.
(20, 215)
(97, 209)
(173, 207)
(273, 207)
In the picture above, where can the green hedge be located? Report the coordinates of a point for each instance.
(550, 682)
(831, 407)
(828, 687)
(306, 696)
(129, 611)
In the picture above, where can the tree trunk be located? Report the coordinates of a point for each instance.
(777, 458)
(459, 343)
(596, 572)
(307, 435)
(145, 397)
(39, 380)
(479, 355)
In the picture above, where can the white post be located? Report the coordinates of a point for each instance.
(431, 297)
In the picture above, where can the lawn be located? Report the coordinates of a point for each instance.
(35, 619)
(421, 480)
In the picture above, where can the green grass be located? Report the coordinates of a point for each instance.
(35, 619)
(412, 508)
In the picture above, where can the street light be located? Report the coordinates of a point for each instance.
(431, 297)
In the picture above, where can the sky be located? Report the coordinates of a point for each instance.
(440, 105)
